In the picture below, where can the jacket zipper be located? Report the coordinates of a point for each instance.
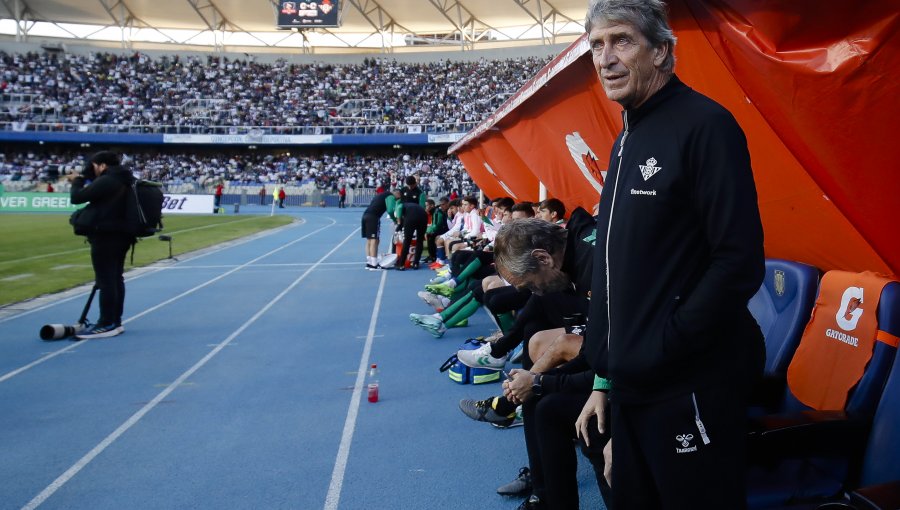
(609, 228)
(697, 420)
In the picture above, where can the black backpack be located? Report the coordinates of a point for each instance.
(143, 208)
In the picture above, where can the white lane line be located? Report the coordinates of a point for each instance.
(136, 417)
(340, 464)
(10, 375)
(295, 264)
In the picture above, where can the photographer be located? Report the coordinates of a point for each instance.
(103, 184)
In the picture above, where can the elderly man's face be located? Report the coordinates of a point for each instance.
(626, 62)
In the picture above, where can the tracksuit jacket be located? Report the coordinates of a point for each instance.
(105, 195)
(679, 252)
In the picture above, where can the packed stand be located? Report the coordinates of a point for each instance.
(438, 173)
(138, 90)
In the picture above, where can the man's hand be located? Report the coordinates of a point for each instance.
(595, 406)
(517, 389)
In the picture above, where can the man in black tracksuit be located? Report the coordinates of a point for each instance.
(679, 254)
(559, 273)
(103, 185)
(412, 193)
(412, 219)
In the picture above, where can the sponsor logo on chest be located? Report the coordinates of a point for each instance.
(647, 171)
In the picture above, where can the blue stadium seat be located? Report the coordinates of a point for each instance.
(782, 308)
(880, 474)
(790, 466)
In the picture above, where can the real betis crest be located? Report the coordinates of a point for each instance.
(650, 169)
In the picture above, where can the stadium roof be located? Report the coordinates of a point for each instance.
(382, 24)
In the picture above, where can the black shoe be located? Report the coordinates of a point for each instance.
(414, 266)
(481, 410)
(532, 503)
(521, 485)
(400, 268)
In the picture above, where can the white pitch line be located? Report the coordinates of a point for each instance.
(136, 417)
(44, 256)
(340, 464)
(144, 271)
(10, 375)
(16, 277)
(77, 250)
(212, 225)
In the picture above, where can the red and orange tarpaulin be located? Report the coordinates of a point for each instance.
(810, 82)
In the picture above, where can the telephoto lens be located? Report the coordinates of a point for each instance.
(60, 331)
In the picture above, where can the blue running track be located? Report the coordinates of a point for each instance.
(237, 384)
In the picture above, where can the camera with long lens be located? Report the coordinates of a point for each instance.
(60, 331)
(88, 171)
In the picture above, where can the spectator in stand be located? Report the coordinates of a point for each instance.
(50, 187)
(253, 168)
(184, 93)
(217, 200)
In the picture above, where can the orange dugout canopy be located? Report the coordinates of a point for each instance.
(811, 83)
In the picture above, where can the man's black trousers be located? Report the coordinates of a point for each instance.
(108, 253)
(663, 460)
(549, 439)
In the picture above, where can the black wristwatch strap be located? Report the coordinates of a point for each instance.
(536, 386)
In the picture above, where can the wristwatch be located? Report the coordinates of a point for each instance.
(536, 387)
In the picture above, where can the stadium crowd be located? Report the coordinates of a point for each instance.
(437, 173)
(138, 90)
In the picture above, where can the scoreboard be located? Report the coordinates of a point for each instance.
(322, 13)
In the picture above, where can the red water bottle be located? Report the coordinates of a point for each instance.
(373, 383)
